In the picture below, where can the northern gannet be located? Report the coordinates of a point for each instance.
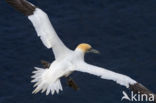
(66, 60)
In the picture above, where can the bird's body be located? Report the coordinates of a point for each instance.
(62, 67)
(67, 65)
(66, 61)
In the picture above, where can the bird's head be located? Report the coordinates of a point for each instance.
(86, 48)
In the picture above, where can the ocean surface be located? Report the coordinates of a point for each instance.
(124, 31)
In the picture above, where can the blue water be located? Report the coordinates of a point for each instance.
(123, 31)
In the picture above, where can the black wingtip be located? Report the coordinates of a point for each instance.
(22, 6)
(139, 88)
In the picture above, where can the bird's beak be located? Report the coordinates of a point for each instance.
(93, 51)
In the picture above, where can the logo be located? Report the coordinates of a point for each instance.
(137, 97)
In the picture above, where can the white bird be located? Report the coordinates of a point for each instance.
(66, 60)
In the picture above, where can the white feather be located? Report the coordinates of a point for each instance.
(43, 83)
(105, 74)
(47, 33)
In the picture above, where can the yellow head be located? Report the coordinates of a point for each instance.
(87, 48)
(84, 47)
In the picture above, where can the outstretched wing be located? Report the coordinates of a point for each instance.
(119, 78)
(105, 74)
(42, 26)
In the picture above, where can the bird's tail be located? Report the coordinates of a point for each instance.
(43, 83)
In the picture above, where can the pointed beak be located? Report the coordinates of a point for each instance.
(93, 51)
